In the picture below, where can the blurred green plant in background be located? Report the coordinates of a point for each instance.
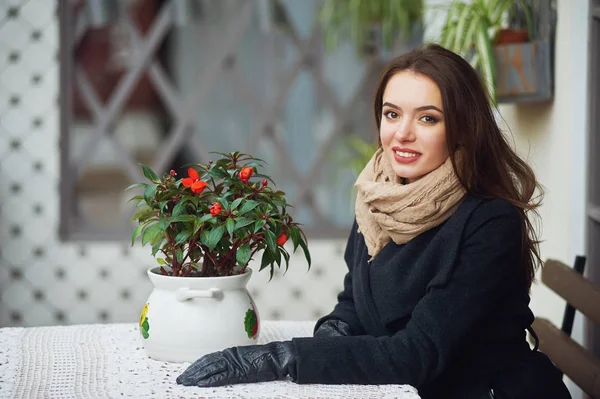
(359, 19)
(361, 153)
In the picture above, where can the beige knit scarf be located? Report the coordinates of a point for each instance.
(386, 209)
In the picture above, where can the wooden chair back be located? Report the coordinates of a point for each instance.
(580, 364)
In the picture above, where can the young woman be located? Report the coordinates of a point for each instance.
(441, 256)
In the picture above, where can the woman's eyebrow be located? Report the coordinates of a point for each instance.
(428, 107)
(390, 105)
(423, 108)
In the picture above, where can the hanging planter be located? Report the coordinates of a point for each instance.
(516, 62)
(524, 72)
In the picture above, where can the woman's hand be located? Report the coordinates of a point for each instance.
(242, 364)
(333, 328)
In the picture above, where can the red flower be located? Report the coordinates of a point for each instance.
(282, 239)
(173, 173)
(216, 209)
(194, 181)
(245, 174)
(265, 182)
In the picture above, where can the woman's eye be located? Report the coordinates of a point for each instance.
(390, 114)
(428, 119)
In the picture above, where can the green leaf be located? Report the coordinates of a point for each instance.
(254, 164)
(179, 255)
(259, 225)
(286, 256)
(149, 173)
(468, 42)
(164, 223)
(182, 236)
(248, 206)
(230, 224)
(142, 185)
(215, 236)
(137, 198)
(191, 198)
(271, 270)
(243, 254)
(223, 202)
(236, 203)
(143, 214)
(206, 217)
(198, 223)
(449, 31)
(151, 232)
(162, 205)
(306, 252)
(249, 322)
(266, 260)
(161, 261)
(179, 208)
(204, 237)
(242, 222)
(136, 232)
(295, 236)
(462, 25)
(184, 218)
(150, 192)
(145, 328)
(278, 256)
(498, 10)
(271, 241)
(157, 244)
(484, 50)
(217, 173)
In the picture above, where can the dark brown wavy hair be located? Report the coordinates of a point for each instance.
(489, 167)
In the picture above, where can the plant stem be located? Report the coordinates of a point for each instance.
(174, 265)
(208, 264)
(192, 244)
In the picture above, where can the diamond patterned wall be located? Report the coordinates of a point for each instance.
(44, 281)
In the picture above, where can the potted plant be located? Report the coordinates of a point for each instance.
(473, 28)
(204, 230)
(370, 23)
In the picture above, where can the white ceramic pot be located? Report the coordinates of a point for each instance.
(185, 318)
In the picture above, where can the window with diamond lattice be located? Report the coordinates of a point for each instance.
(168, 82)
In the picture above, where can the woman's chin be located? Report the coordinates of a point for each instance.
(406, 174)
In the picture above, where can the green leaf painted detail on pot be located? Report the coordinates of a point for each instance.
(251, 324)
(144, 325)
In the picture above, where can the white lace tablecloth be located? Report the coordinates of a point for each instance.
(108, 361)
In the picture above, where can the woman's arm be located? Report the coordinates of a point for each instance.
(440, 322)
(344, 310)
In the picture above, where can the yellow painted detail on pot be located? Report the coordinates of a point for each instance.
(144, 314)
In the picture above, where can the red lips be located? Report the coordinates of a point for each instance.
(403, 159)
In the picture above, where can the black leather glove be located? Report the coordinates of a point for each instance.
(333, 328)
(242, 364)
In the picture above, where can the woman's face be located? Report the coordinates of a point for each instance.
(412, 131)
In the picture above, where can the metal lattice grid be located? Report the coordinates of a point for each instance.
(308, 179)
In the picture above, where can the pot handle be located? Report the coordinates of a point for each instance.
(184, 293)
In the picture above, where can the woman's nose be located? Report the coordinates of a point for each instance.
(405, 132)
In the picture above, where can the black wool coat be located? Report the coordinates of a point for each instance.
(446, 313)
